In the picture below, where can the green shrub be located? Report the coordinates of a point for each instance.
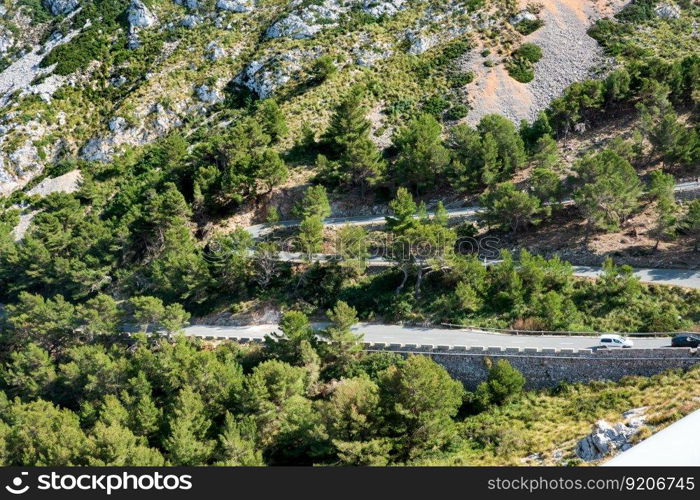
(460, 79)
(436, 105)
(323, 68)
(529, 52)
(78, 53)
(525, 27)
(638, 11)
(503, 383)
(457, 112)
(521, 70)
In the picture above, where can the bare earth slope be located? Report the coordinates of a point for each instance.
(569, 55)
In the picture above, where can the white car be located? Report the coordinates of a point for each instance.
(608, 341)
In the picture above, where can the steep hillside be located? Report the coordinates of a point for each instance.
(139, 139)
(87, 80)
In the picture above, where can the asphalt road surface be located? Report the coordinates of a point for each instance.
(678, 277)
(378, 220)
(396, 334)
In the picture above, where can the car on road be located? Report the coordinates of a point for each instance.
(686, 340)
(608, 341)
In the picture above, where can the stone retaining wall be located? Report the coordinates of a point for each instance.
(547, 367)
(543, 368)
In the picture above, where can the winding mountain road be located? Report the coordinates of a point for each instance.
(259, 230)
(397, 334)
(674, 277)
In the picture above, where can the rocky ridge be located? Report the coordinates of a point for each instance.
(606, 439)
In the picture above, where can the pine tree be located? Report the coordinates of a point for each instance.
(404, 209)
(314, 203)
(508, 207)
(348, 123)
(353, 248)
(422, 156)
(144, 416)
(115, 445)
(441, 216)
(271, 171)
(348, 137)
(509, 145)
(491, 173)
(546, 185)
(666, 209)
(237, 446)
(272, 119)
(311, 235)
(661, 185)
(287, 345)
(692, 222)
(341, 345)
(608, 191)
(186, 442)
(363, 161)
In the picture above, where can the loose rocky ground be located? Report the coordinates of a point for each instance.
(569, 55)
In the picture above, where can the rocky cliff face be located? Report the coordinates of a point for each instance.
(86, 80)
(606, 439)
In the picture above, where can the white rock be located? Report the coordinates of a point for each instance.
(235, 5)
(66, 183)
(118, 81)
(521, 16)
(668, 11)
(97, 149)
(604, 439)
(190, 21)
(382, 8)
(265, 76)
(61, 7)
(117, 123)
(6, 41)
(152, 123)
(139, 16)
(305, 24)
(307, 21)
(420, 42)
(24, 158)
(209, 95)
(368, 58)
(190, 4)
(215, 52)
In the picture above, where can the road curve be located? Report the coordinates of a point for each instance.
(396, 334)
(259, 230)
(686, 278)
(674, 277)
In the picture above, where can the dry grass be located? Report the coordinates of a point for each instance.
(550, 423)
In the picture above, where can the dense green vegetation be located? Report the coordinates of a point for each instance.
(148, 241)
(299, 399)
(529, 292)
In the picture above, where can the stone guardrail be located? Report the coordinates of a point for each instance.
(544, 333)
